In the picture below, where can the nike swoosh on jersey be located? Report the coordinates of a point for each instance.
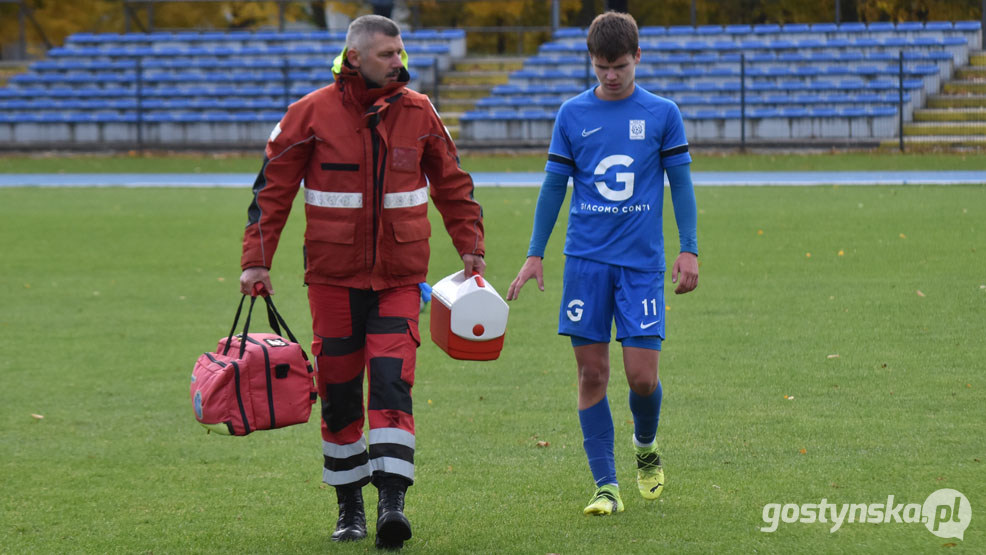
(590, 132)
(644, 326)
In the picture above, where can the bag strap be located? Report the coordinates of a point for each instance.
(274, 317)
(246, 326)
(232, 330)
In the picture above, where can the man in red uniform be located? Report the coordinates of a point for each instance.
(364, 146)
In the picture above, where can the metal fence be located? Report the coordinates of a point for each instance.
(746, 99)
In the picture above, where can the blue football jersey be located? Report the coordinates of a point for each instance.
(616, 152)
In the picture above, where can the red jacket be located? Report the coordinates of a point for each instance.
(364, 155)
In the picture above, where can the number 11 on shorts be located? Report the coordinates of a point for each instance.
(651, 308)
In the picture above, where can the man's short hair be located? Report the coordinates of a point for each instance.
(362, 29)
(613, 35)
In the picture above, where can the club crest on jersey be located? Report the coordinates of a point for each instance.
(637, 130)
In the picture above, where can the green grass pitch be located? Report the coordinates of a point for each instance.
(833, 350)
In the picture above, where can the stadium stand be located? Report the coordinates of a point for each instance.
(184, 88)
(800, 81)
(795, 82)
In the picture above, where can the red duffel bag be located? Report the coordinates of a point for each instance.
(253, 381)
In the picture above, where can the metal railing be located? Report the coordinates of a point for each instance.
(742, 97)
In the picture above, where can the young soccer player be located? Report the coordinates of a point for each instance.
(616, 141)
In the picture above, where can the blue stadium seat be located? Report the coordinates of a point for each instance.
(808, 99)
(910, 26)
(938, 26)
(865, 42)
(881, 27)
(852, 112)
(793, 112)
(709, 30)
(678, 30)
(781, 44)
(725, 46)
(760, 113)
(824, 27)
(852, 27)
(570, 32)
(881, 111)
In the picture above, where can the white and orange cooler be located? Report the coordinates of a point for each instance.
(468, 317)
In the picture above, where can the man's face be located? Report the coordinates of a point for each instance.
(380, 62)
(615, 76)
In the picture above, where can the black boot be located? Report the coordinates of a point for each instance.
(393, 527)
(351, 525)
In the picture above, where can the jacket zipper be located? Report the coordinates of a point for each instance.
(379, 171)
(375, 142)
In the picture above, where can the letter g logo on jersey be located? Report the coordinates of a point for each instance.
(626, 178)
(574, 311)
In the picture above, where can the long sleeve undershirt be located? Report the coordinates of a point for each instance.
(685, 212)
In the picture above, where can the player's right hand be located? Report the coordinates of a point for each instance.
(532, 268)
(253, 275)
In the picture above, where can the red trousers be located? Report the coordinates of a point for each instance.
(356, 330)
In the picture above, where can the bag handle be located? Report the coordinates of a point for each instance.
(273, 318)
(246, 326)
(232, 330)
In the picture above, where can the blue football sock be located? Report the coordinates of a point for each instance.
(597, 434)
(646, 412)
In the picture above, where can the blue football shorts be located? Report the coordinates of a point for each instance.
(595, 294)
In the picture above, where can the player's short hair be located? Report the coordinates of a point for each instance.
(612, 35)
(362, 29)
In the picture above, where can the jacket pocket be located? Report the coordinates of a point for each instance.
(330, 248)
(405, 159)
(410, 247)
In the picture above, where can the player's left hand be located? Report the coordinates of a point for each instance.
(474, 264)
(685, 273)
